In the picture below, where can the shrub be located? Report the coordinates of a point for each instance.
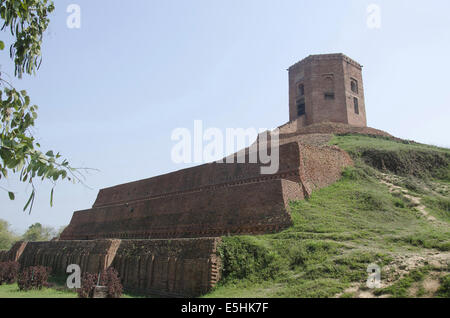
(8, 272)
(88, 283)
(34, 277)
(109, 278)
(247, 257)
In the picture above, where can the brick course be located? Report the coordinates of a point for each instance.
(210, 200)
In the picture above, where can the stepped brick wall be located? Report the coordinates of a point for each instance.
(209, 200)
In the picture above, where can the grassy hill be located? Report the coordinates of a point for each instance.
(391, 209)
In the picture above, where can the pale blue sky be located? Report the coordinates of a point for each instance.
(112, 92)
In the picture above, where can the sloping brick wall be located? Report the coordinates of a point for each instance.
(250, 208)
(210, 200)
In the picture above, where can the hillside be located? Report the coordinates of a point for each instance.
(392, 208)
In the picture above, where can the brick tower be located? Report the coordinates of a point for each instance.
(327, 88)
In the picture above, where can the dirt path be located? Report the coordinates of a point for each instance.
(401, 266)
(416, 201)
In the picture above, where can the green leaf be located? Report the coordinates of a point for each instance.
(11, 195)
(2, 45)
(29, 201)
(51, 198)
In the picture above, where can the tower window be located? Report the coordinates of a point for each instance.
(355, 103)
(354, 85)
(329, 96)
(301, 90)
(301, 107)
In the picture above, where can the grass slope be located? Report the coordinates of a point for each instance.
(343, 228)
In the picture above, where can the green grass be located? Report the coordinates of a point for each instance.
(355, 142)
(58, 289)
(444, 289)
(340, 230)
(12, 291)
(400, 289)
(402, 158)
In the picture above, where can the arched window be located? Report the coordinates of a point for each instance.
(328, 86)
(354, 85)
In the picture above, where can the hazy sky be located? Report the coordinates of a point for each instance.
(112, 92)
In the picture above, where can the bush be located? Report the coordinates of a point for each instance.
(34, 277)
(8, 272)
(247, 258)
(109, 278)
(88, 283)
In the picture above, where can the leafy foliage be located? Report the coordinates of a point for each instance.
(8, 272)
(34, 277)
(88, 283)
(37, 233)
(109, 278)
(7, 237)
(27, 20)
